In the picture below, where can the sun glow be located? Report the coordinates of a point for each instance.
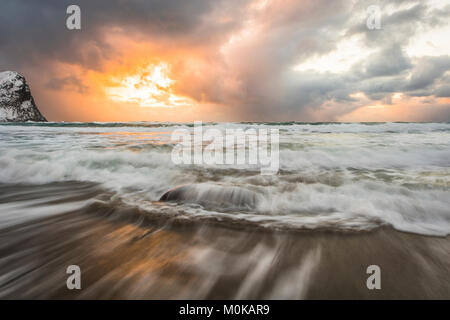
(150, 87)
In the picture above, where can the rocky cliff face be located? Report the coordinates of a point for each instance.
(16, 102)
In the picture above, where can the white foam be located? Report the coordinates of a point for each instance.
(344, 176)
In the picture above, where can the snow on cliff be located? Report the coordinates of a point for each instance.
(16, 102)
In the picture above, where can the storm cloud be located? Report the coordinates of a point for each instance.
(268, 60)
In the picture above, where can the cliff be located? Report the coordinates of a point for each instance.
(16, 102)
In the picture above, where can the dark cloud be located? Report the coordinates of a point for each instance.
(387, 62)
(36, 29)
(443, 91)
(70, 82)
(427, 71)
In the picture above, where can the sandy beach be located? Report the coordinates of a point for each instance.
(124, 255)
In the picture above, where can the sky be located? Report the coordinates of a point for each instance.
(232, 60)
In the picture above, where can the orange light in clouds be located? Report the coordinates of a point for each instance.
(151, 86)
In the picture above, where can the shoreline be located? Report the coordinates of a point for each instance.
(130, 260)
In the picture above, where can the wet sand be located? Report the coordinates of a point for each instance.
(124, 255)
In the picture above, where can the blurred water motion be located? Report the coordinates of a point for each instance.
(124, 253)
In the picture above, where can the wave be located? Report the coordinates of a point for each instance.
(345, 181)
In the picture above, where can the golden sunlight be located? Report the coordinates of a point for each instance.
(150, 87)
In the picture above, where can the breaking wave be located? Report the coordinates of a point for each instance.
(333, 176)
